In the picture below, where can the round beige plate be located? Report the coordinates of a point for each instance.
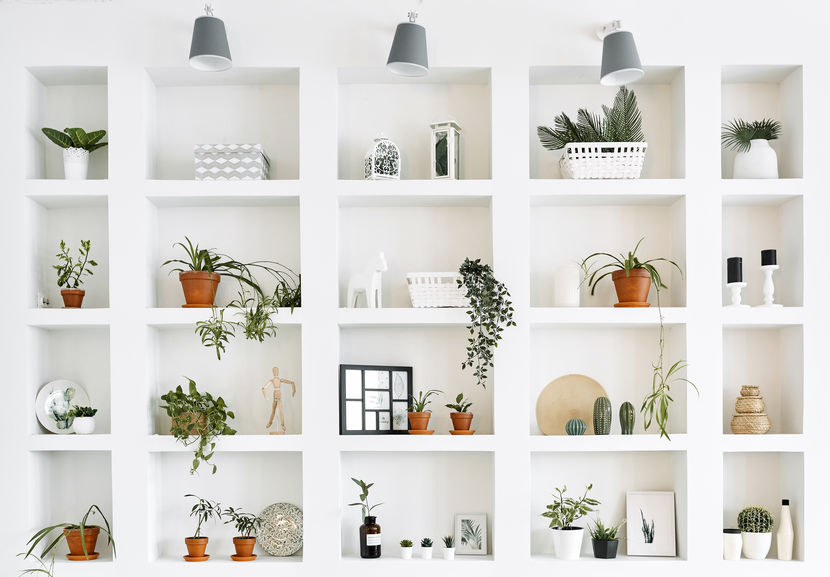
(565, 398)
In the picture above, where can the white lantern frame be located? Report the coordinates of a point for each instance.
(450, 131)
(382, 161)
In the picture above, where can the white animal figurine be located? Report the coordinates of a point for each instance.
(370, 285)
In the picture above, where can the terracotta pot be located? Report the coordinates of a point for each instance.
(72, 298)
(73, 541)
(461, 421)
(633, 288)
(199, 287)
(185, 419)
(196, 546)
(244, 546)
(419, 421)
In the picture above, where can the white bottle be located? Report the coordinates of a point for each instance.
(785, 532)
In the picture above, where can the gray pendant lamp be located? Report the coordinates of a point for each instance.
(209, 49)
(408, 56)
(620, 60)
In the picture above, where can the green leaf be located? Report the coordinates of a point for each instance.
(59, 138)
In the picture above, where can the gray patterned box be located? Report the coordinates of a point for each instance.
(231, 162)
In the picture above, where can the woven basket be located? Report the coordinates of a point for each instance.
(757, 424)
(746, 405)
(603, 159)
(750, 391)
(436, 289)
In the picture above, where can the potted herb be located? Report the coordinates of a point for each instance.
(84, 420)
(604, 539)
(449, 547)
(418, 412)
(247, 526)
(80, 538)
(490, 312)
(461, 419)
(71, 273)
(76, 144)
(620, 126)
(204, 510)
(406, 549)
(755, 524)
(755, 158)
(426, 548)
(197, 418)
(563, 512)
(369, 530)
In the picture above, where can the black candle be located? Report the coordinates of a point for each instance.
(769, 257)
(734, 269)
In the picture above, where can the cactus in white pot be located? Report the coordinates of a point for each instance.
(77, 144)
(755, 524)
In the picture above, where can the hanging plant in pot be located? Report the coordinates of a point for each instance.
(754, 157)
(563, 512)
(77, 145)
(247, 526)
(71, 273)
(80, 538)
(604, 539)
(419, 414)
(204, 510)
(461, 418)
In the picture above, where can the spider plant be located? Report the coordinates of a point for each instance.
(626, 263)
(738, 133)
(420, 403)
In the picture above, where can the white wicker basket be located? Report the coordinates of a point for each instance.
(436, 289)
(603, 159)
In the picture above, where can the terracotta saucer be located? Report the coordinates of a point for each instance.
(632, 305)
(82, 557)
(243, 558)
(467, 432)
(413, 432)
(194, 558)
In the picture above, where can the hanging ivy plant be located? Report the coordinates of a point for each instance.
(490, 312)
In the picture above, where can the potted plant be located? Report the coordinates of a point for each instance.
(621, 149)
(567, 539)
(248, 527)
(755, 524)
(83, 420)
(76, 144)
(418, 412)
(604, 539)
(204, 510)
(71, 273)
(406, 549)
(490, 312)
(80, 538)
(369, 531)
(449, 547)
(461, 419)
(755, 158)
(197, 418)
(426, 548)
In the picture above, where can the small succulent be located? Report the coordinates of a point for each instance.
(755, 520)
(599, 532)
(406, 543)
(426, 542)
(449, 541)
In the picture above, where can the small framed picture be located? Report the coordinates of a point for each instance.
(374, 399)
(649, 517)
(471, 533)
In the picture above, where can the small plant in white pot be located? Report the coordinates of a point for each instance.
(77, 145)
(755, 158)
(83, 420)
(426, 548)
(406, 549)
(449, 547)
(755, 524)
(563, 512)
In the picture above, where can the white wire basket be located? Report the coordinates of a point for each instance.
(436, 289)
(603, 159)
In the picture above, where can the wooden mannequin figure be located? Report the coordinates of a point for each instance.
(276, 403)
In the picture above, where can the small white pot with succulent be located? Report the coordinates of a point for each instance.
(406, 549)
(755, 524)
(77, 144)
(449, 547)
(426, 548)
(563, 512)
(83, 422)
(754, 157)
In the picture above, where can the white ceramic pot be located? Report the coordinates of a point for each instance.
(567, 543)
(760, 161)
(449, 554)
(426, 552)
(75, 163)
(566, 285)
(83, 425)
(756, 545)
(732, 544)
(406, 552)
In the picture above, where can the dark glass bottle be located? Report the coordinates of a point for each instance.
(370, 538)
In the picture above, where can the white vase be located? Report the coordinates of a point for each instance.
(760, 161)
(449, 553)
(75, 163)
(784, 536)
(756, 545)
(406, 552)
(83, 425)
(566, 285)
(426, 552)
(732, 544)
(567, 543)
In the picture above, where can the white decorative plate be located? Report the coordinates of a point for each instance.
(54, 400)
(282, 529)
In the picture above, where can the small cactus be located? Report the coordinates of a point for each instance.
(755, 520)
(406, 543)
(426, 542)
(602, 416)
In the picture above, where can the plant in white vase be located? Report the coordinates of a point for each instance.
(426, 548)
(755, 158)
(77, 144)
(755, 524)
(449, 547)
(563, 512)
(406, 549)
(84, 420)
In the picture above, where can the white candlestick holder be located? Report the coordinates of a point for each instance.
(769, 287)
(735, 288)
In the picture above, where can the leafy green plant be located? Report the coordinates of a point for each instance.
(738, 133)
(406, 543)
(461, 405)
(247, 524)
(755, 520)
(470, 534)
(365, 508)
(647, 528)
(426, 542)
(204, 510)
(490, 312)
(70, 271)
(565, 510)
(626, 263)
(599, 532)
(76, 138)
(449, 541)
(420, 403)
(620, 123)
(77, 411)
(198, 418)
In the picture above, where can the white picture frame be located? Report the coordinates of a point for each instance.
(650, 524)
(471, 533)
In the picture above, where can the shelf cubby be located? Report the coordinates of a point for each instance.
(755, 92)
(373, 102)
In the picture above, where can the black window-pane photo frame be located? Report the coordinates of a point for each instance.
(374, 399)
